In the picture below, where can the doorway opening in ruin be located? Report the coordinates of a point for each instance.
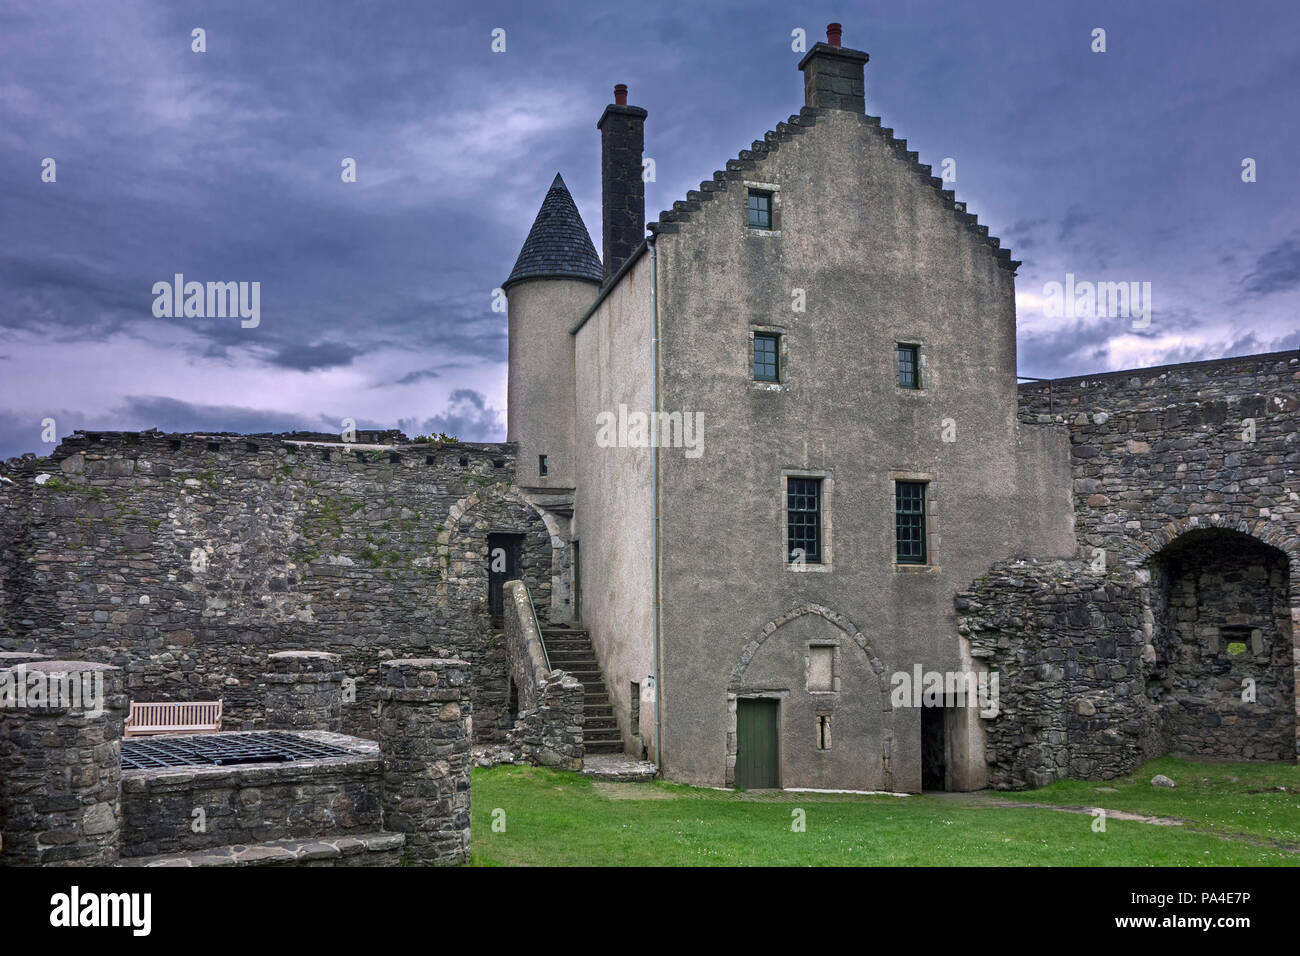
(1223, 678)
(934, 748)
(504, 550)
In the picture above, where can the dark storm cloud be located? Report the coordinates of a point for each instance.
(170, 415)
(307, 358)
(468, 417)
(422, 375)
(225, 166)
(1277, 270)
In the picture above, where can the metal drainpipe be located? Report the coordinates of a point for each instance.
(654, 492)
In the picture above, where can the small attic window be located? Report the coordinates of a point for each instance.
(760, 209)
(541, 465)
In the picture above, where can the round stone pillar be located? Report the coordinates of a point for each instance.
(424, 741)
(304, 691)
(60, 763)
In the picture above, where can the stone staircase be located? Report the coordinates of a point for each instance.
(569, 649)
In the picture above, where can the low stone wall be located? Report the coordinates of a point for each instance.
(424, 727)
(548, 726)
(181, 810)
(1068, 647)
(65, 800)
(304, 691)
(60, 766)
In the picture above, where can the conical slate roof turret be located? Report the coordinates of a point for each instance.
(558, 245)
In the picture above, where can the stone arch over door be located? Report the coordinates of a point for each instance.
(778, 662)
(462, 546)
(1224, 620)
(465, 626)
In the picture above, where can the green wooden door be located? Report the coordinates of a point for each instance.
(757, 760)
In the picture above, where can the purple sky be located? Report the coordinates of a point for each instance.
(376, 295)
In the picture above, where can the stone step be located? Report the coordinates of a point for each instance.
(603, 747)
(619, 769)
(562, 663)
(361, 849)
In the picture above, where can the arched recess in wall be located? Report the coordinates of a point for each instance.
(463, 546)
(848, 640)
(1224, 604)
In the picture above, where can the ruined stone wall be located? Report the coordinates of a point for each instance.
(1067, 645)
(186, 559)
(1222, 673)
(1157, 452)
(1186, 486)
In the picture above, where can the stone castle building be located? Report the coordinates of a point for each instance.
(766, 469)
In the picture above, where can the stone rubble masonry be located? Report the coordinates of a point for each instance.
(187, 559)
(250, 804)
(1186, 484)
(548, 729)
(60, 773)
(304, 691)
(424, 740)
(1066, 644)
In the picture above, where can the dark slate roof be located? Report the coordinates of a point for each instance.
(558, 244)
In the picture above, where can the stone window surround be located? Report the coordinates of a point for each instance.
(817, 733)
(783, 356)
(932, 537)
(775, 190)
(835, 667)
(828, 487)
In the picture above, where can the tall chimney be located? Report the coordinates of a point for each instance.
(833, 75)
(622, 191)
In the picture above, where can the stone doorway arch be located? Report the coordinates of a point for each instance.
(1222, 613)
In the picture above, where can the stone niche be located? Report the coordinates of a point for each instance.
(1222, 679)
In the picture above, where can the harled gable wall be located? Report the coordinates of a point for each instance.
(883, 257)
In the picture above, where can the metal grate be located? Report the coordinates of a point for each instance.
(220, 750)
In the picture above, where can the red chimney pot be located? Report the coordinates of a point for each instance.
(620, 94)
(833, 31)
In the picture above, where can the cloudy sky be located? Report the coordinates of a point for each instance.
(376, 295)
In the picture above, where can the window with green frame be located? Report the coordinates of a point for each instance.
(760, 209)
(767, 357)
(803, 515)
(909, 366)
(909, 521)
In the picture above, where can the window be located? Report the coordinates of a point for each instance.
(909, 366)
(541, 464)
(909, 521)
(823, 731)
(803, 506)
(767, 357)
(760, 209)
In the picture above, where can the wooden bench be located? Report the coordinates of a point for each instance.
(193, 717)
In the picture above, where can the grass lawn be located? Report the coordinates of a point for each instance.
(1235, 815)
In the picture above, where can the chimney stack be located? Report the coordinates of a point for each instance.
(833, 75)
(622, 191)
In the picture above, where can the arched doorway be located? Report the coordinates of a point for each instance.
(1222, 681)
